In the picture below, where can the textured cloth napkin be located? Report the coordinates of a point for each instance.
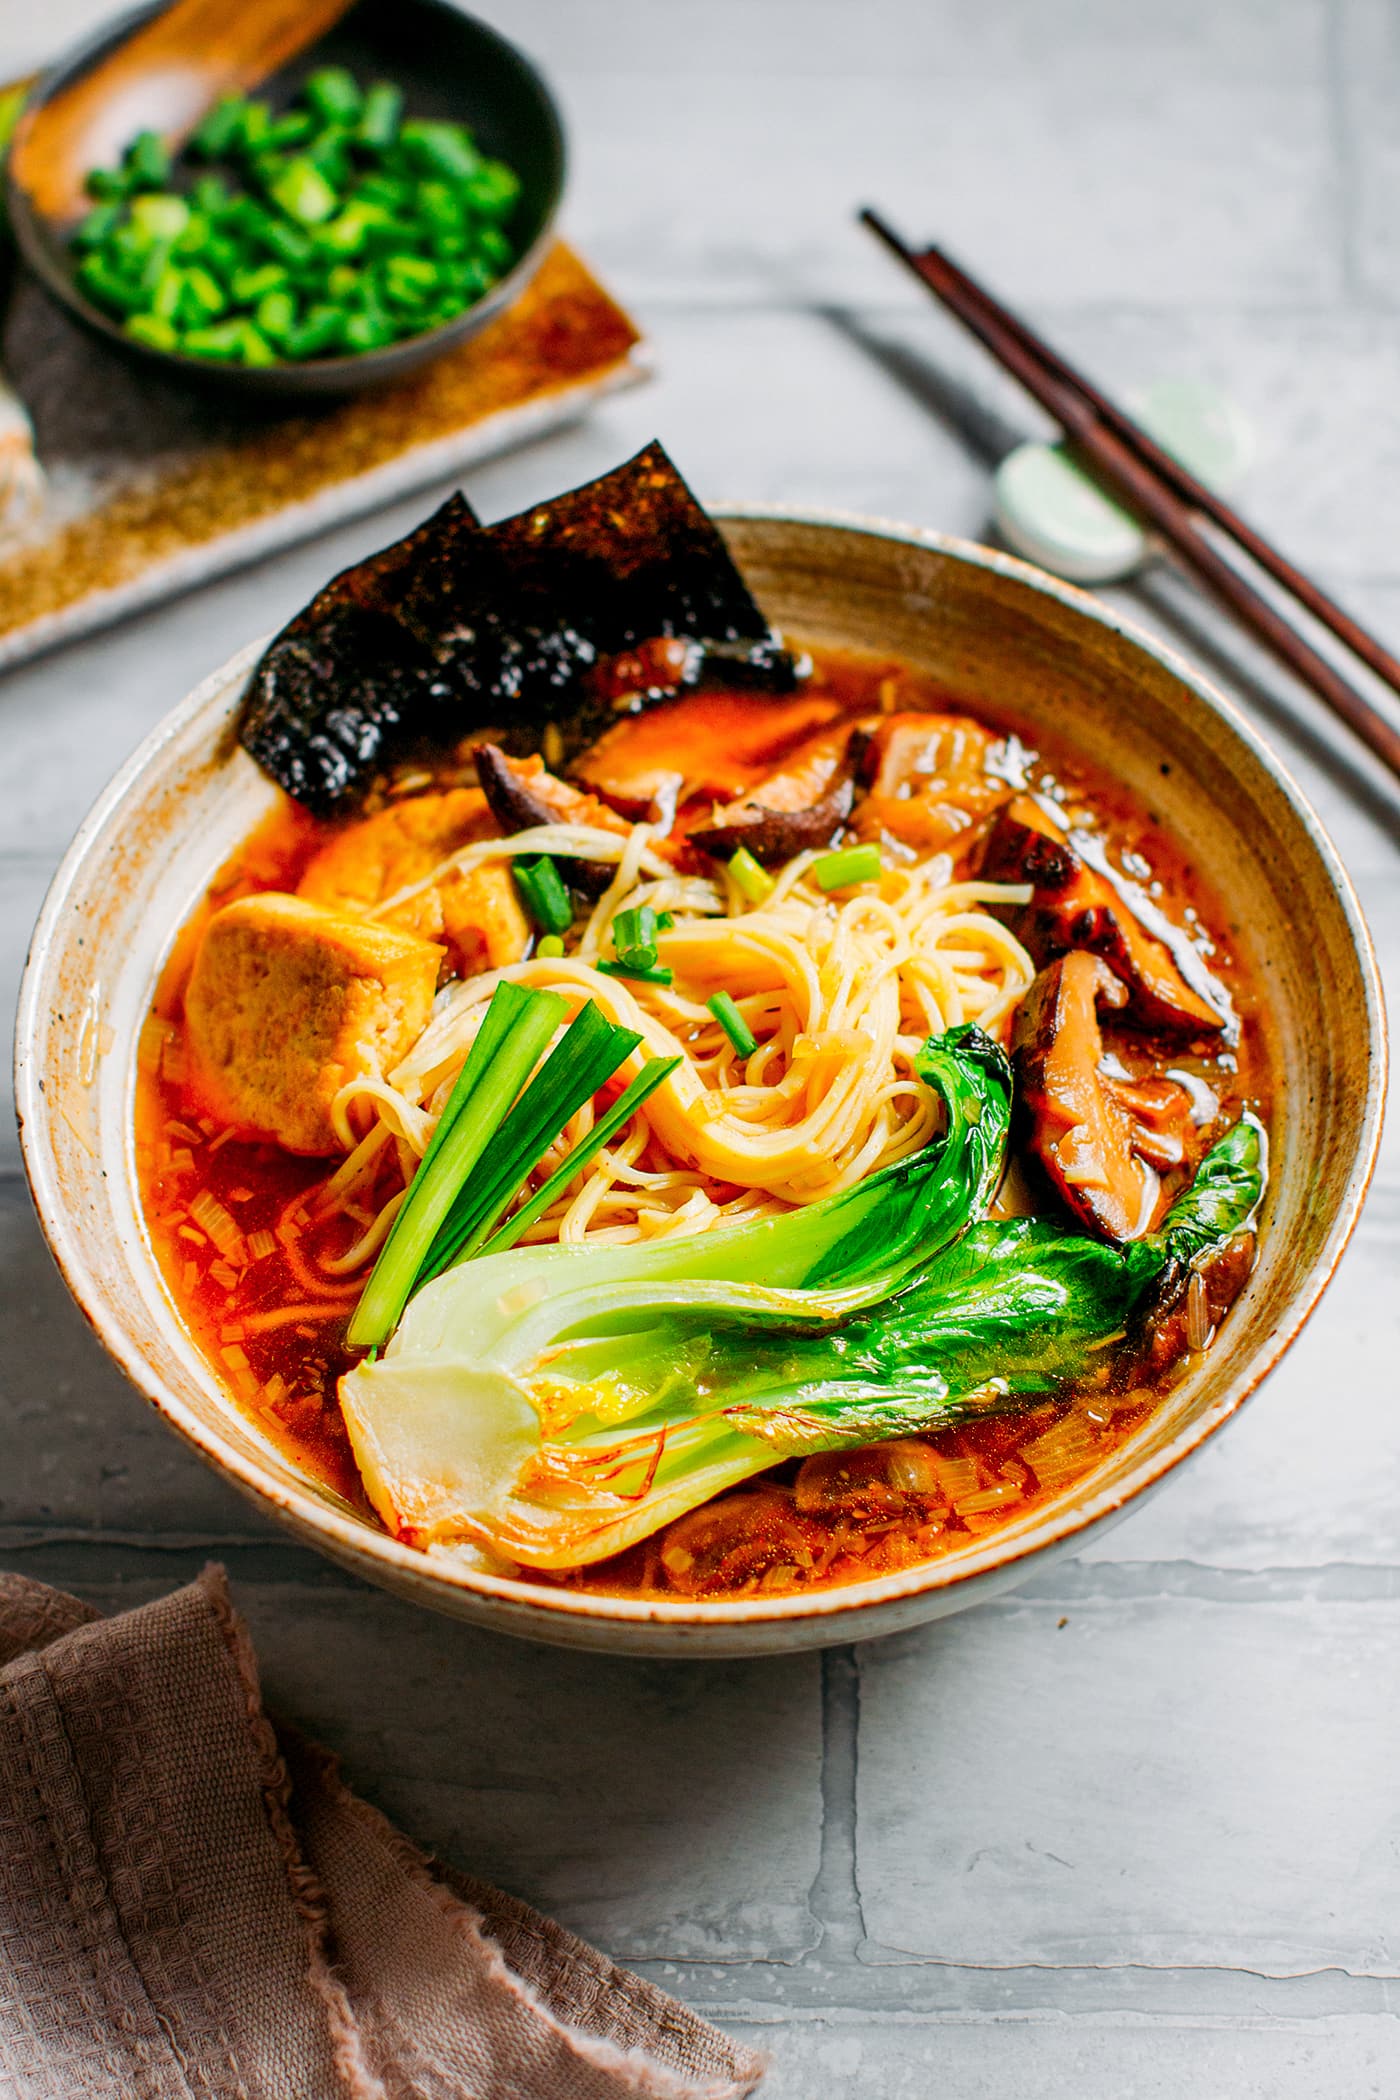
(194, 1907)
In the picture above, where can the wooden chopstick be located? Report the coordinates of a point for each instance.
(1165, 495)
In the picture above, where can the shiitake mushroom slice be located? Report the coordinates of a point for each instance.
(1074, 906)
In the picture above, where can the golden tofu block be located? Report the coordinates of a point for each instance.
(287, 1001)
(477, 915)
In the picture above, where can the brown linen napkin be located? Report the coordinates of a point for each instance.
(194, 1907)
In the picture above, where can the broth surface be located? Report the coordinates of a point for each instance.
(218, 1211)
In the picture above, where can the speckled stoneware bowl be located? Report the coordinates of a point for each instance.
(993, 630)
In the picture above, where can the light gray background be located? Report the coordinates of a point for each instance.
(1133, 1834)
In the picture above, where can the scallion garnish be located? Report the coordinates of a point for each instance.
(543, 894)
(853, 864)
(585, 1058)
(646, 1082)
(517, 1026)
(733, 1023)
(750, 879)
(634, 935)
(655, 973)
(634, 940)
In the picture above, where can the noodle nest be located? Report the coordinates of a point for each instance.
(839, 993)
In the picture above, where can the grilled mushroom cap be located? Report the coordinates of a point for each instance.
(1082, 1135)
(1073, 906)
(522, 796)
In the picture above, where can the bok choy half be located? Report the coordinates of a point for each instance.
(556, 1404)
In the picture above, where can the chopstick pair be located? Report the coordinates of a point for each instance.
(1165, 495)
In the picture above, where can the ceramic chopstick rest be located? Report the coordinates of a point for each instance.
(1050, 510)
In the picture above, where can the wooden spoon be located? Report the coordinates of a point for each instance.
(163, 78)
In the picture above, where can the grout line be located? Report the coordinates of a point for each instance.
(834, 1897)
(934, 1993)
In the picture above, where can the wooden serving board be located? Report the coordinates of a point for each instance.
(153, 487)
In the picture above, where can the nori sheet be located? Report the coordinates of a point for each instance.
(463, 626)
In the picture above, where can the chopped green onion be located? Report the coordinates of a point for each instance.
(110, 290)
(219, 129)
(210, 196)
(293, 129)
(445, 149)
(634, 936)
(162, 216)
(327, 154)
(248, 286)
(288, 243)
(646, 1082)
(733, 1023)
(290, 197)
(276, 316)
(379, 118)
(389, 192)
(256, 349)
(585, 1058)
(549, 947)
(223, 342)
(99, 224)
(367, 331)
(168, 296)
(508, 1044)
(303, 192)
(147, 161)
(150, 329)
(543, 894)
(750, 879)
(204, 295)
(853, 864)
(646, 973)
(334, 95)
(316, 335)
(493, 189)
(345, 234)
(254, 124)
(106, 185)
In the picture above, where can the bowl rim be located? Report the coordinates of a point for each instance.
(328, 374)
(545, 1611)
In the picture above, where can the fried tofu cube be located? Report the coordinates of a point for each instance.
(476, 914)
(483, 923)
(287, 1001)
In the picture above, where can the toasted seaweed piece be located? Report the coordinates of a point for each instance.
(462, 627)
(765, 665)
(347, 684)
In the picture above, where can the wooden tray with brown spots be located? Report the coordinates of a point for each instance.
(151, 487)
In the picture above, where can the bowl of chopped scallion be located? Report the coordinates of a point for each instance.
(369, 205)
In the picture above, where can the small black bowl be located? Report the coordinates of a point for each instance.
(448, 65)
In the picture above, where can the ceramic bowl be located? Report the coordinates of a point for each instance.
(991, 629)
(448, 65)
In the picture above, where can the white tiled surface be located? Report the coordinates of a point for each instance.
(1151, 1853)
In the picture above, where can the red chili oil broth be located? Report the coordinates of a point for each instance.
(231, 1283)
